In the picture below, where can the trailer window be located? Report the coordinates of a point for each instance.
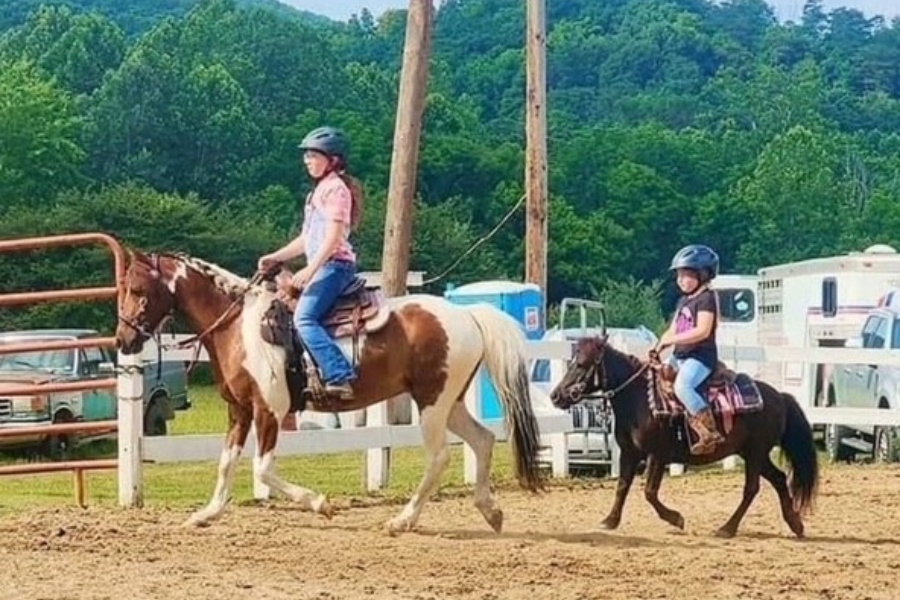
(829, 297)
(736, 305)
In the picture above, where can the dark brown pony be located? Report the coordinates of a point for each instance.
(645, 430)
(418, 344)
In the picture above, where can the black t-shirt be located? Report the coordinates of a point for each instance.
(686, 317)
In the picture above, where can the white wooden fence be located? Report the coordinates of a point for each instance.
(377, 438)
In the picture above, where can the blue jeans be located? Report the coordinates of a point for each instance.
(691, 373)
(317, 298)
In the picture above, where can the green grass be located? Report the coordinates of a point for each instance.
(189, 484)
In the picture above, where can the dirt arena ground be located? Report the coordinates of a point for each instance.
(551, 548)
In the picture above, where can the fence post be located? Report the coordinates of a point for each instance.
(130, 399)
(378, 460)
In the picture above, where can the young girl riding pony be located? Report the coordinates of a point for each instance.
(333, 209)
(693, 335)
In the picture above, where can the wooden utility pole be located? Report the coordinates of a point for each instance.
(404, 161)
(401, 192)
(536, 145)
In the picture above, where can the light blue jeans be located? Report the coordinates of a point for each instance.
(315, 301)
(691, 373)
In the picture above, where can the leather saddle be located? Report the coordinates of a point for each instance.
(357, 310)
(721, 377)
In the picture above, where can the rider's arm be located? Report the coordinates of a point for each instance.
(291, 250)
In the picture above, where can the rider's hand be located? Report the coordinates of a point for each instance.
(266, 262)
(664, 342)
(302, 277)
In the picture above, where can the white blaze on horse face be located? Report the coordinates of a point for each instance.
(263, 361)
(180, 272)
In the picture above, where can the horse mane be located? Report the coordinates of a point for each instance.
(620, 356)
(228, 283)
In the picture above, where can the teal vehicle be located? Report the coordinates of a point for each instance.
(165, 388)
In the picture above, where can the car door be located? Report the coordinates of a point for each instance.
(853, 374)
(868, 375)
(98, 405)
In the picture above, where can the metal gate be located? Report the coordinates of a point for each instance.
(33, 297)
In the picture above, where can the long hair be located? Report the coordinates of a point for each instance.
(339, 166)
(356, 193)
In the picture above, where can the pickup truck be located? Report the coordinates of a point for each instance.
(867, 386)
(165, 388)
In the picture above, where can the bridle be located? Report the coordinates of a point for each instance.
(596, 372)
(139, 324)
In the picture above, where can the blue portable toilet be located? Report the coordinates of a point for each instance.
(523, 301)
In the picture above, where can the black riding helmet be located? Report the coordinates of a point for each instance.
(699, 258)
(327, 140)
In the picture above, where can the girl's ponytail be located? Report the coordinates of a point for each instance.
(356, 193)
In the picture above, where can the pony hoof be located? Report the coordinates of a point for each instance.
(495, 520)
(724, 533)
(678, 522)
(609, 523)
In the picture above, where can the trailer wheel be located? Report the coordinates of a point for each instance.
(59, 446)
(885, 448)
(837, 452)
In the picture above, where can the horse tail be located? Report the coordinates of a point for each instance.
(506, 362)
(798, 445)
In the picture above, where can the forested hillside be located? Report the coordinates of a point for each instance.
(670, 121)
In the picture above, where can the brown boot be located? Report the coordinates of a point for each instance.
(705, 426)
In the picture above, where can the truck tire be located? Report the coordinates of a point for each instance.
(155, 423)
(837, 452)
(59, 447)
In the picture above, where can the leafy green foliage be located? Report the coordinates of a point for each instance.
(174, 125)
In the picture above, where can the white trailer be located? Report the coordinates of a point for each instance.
(738, 326)
(819, 302)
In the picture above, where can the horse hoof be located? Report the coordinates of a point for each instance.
(324, 508)
(495, 520)
(196, 521)
(678, 522)
(395, 527)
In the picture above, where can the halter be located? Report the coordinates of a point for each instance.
(601, 381)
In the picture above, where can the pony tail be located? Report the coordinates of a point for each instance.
(356, 193)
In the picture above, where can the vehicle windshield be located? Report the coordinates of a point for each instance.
(53, 361)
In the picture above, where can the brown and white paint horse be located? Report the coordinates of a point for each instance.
(429, 348)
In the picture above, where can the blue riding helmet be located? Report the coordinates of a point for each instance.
(699, 258)
(327, 140)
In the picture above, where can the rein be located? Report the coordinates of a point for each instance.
(610, 394)
(197, 339)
